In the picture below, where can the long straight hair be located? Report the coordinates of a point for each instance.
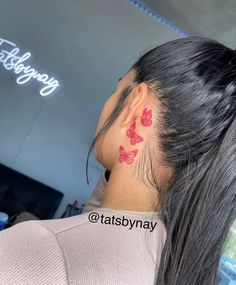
(195, 81)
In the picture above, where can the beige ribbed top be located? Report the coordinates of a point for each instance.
(77, 251)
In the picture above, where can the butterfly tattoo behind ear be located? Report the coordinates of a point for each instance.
(146, 118)
(128, 156)
(134, 138)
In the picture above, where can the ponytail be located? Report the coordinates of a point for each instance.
(195, 83)
(198, 211)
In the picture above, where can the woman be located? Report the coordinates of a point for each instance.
(167, 138)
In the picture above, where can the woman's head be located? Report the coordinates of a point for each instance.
(190, 86)
(142, 137)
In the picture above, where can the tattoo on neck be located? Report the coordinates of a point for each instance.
(127, 156)
(134, 137)
(146, 118)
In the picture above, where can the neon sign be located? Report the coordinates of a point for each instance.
(11, 60)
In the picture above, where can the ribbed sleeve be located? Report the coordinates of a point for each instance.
(31, 255)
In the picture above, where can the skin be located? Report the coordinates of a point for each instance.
(123, 190)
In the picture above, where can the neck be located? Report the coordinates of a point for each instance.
(124, 192)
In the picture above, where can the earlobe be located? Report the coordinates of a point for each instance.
(136, 100)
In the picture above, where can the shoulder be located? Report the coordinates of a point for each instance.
(30, 254)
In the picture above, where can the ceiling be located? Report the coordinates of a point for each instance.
(211, 18)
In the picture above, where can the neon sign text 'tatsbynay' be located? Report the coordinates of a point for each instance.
(11, 60)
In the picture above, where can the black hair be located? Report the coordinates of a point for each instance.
(194, 78)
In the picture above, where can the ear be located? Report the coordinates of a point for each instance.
(136, 103)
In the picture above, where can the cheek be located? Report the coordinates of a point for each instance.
(106, 110)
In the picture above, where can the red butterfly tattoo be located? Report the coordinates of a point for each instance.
(128, 156)
(134, 138)
(146, 117)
